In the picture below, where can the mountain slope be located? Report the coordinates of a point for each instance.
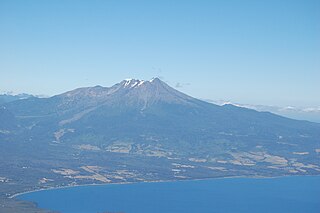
(135, 107)
(145, 130)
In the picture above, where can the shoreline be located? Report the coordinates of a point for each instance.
(155, 181)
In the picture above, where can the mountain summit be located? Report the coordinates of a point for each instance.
(129, 92)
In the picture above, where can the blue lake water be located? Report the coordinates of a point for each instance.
(230, 195)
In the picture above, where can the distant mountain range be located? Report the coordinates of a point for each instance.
(141, 130)
(300, 113)
(5, 98)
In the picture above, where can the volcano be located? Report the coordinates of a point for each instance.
(140, 130)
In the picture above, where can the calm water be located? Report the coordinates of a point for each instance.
(236, 195)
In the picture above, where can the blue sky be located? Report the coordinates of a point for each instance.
(257, 52)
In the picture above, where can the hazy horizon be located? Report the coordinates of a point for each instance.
(176, 86)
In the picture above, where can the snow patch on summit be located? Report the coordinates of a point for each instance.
(128, 81)
(152, 79)
(140, 83)
(134, 83)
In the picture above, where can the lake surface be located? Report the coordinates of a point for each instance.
(236, 195)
